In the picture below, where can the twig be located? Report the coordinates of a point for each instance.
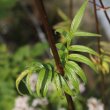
(97, 26)
(105, 11)
(99, 50)
(48, 29)
(96, 4)
(100, 7)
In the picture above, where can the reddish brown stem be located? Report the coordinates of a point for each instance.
(97, 26)
(105, 11)
(100, 7)
(99, 47)
(44, 19)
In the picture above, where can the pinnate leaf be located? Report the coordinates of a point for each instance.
(82, 59)
(66, 87)
(58, 84)
(80, 48)
(72, 78)
(20, 78)
(79, 33)
(78, 17)
(77, 69)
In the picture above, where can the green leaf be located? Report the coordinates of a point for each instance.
(79, 33)
(65, 33)
(44, 79)
(28, 83)
(62, 15)
(62, 50)
(66, 87)
(77, 70)
(48, 78)
(60, 46)
(35, 66)
(58, 84)
(82, 59)
(81, 48)
(20, 78)
(106, 58)
(40, 81)
(72, 77)
(77, 19)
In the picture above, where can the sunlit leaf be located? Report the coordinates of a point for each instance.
(58, 84)
(35, 66)
(106, 58)
(60, 46)
(78, 17)
(40, 81)
(20, 78)
(105, 67)
(72, 77)
(81, 48)
(79, 33)
(65, 34)
(48, 79)
(77, 69)
(82, 59)
(28, 83)
(66, 87)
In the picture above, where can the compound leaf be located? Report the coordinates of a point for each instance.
(66, 87)
(82, 59)
(40, 81)
(20, 78)
(72, 77)
(77, 70)
(80, 48)
(58, 84)
(79, 33)
(78, 17)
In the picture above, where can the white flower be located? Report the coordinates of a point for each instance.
(33, 80)
(82, 87)
(38, 102)
(31, 108)
(94, 104)
(21, 103)
(61, 109)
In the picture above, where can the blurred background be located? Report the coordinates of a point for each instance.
(23, 40)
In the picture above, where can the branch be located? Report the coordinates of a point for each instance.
(105, 11)
(48, 30)
(103, 8)
(100, 7)
(97, 26)
(99, 50)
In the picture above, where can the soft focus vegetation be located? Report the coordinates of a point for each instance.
(25, 55)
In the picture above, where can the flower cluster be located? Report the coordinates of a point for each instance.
(94, 104)
(22, 103)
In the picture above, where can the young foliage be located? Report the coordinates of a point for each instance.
(102, 63)
(47, 73)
